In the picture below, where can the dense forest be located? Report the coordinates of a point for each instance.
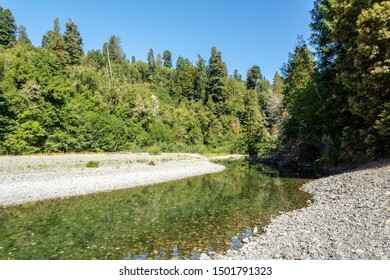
(328, 107)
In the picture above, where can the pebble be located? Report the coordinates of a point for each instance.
(347, 219)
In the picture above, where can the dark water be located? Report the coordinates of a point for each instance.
(171, 220)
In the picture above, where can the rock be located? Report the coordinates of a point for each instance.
(347, 211)
(245, 240)
(359, 251)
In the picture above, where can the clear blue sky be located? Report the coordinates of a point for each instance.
(247, 32)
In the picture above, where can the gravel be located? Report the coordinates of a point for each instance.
(38, 177)
(348, 219)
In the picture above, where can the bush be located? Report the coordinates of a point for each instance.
(154, 150)
(92, 164)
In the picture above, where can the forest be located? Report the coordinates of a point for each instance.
(326, 107)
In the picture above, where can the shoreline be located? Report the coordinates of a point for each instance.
(348, 219)
(39, 177)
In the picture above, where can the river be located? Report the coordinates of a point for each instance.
(179, 219)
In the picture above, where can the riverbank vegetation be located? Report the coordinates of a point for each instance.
(328, 107)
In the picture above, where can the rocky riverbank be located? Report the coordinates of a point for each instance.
(38, 177)
(348, 219)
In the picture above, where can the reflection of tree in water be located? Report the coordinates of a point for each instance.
(200, 213)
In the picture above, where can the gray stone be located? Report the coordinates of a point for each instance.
(349, 210)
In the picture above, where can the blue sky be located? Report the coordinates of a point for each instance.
(247, 32)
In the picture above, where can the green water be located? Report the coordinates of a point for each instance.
(201, 213)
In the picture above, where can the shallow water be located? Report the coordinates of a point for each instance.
(171, 220)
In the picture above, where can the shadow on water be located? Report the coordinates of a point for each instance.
(175, 220)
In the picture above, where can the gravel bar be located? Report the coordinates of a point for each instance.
(38, 177)
(349, 219)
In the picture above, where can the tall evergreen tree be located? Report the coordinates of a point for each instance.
(7, 28)
(184, 78)
(114, 49)
(200, 79)
(52, 36)
(22, 35)
(159, 61)
(73, 42)
(253, 76)
(321, 38)
(255, 134)
(151, 61)
(352, 47)
(302, 100)
(217, 76)
(54, 41)
(236, 76)
(364, 64)
(275, 111)
(167, 58)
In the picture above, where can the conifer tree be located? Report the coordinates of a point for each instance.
(114, 49)
(54, 41)
(151, 61)
(7, 28)
(73, 42)
(253, 76)
(236, 76)
(200, 79)
(159, 61)
(255, 134)
(167, 58)
(22, 35)
(217, 76)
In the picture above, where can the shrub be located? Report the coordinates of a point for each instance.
(154, 150)
(92, 164)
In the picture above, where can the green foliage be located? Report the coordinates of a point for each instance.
(154, 150)
(7, 122)
(73, 42)
(302, 100)
(54, 42)
(217, 75)
(167, 58)
(253, 76)
(114, 49)
(7, 28)
(185, 79)
(151, 62)
(26, 139)
(275, 111)
(22, 35)
(343, 100)
(92, 164)
(255, 134)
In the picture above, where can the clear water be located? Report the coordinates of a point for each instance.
(176, 220)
